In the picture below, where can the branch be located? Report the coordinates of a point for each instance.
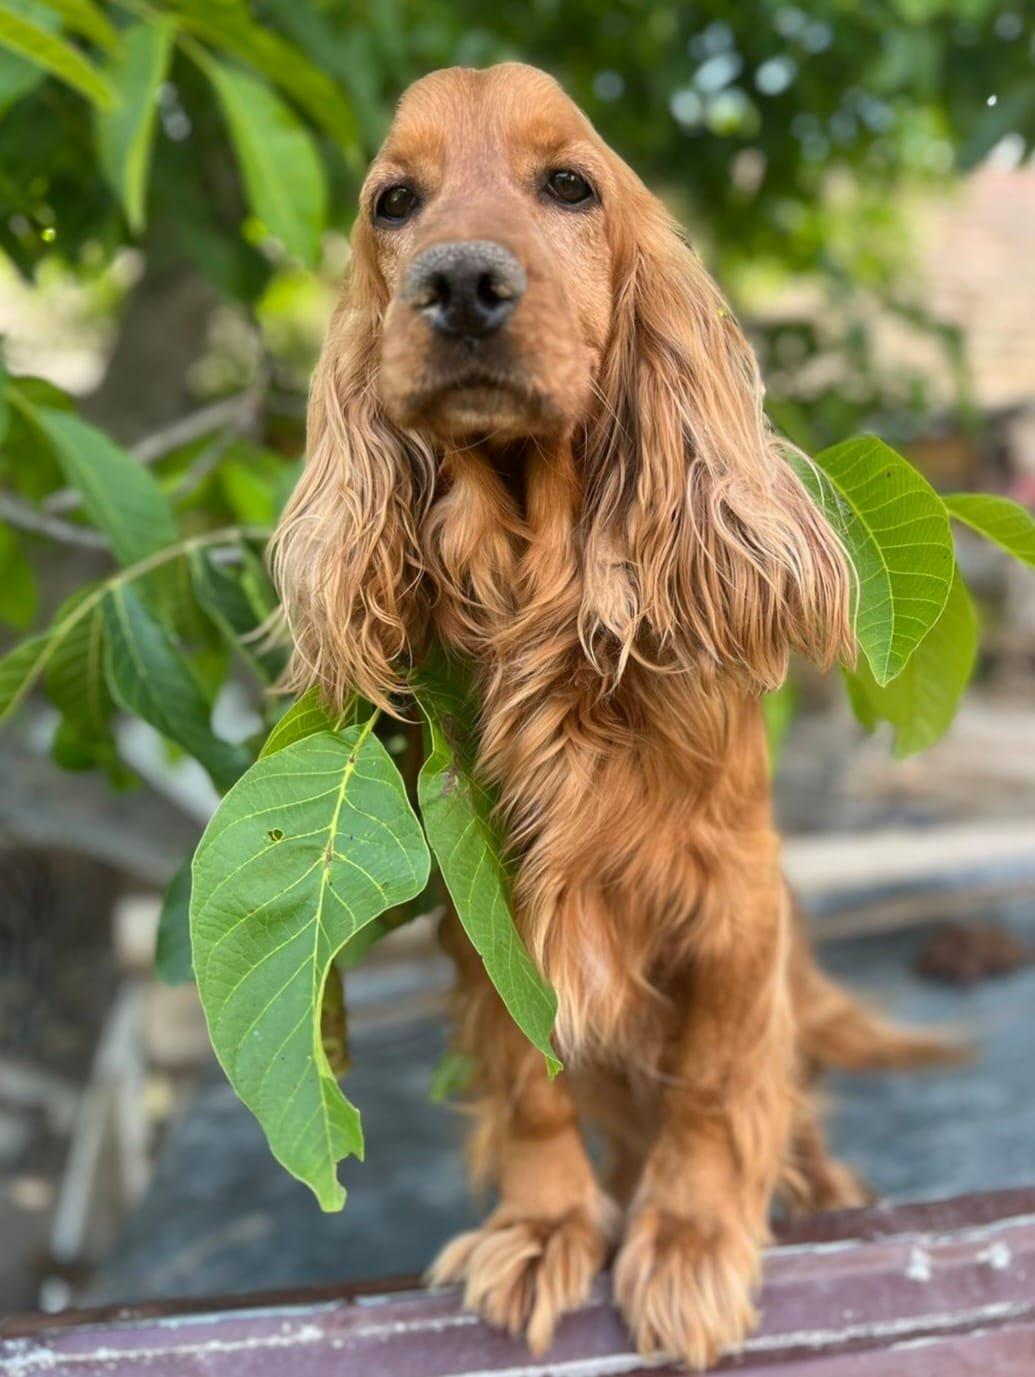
(236, 413)
(29, 518)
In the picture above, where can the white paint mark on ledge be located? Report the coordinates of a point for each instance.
(919, 1266)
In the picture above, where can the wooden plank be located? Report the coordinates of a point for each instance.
(929, 1291)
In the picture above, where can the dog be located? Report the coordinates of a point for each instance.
(536, 437)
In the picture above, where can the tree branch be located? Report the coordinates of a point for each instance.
(29, 518)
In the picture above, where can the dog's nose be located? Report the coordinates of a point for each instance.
(467, 288)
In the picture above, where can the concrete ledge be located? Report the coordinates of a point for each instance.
(935, 1290)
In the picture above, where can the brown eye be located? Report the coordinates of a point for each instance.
(569, 187)
(396, 204)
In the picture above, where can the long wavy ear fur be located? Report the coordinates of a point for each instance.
(703, 546)
(346, 553)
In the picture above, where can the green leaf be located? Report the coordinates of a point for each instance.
(282, 173)
(73, 749)
(257, 586)
(228, 27)
(921, 703)
(286, 485)
(172, 953)
(778, 709)
(999, 519)
(223, 596)
(85, 18)
(27, 456)
(308, 848)
(896, 532)
(250, 494)
(54, 56)
(452, 1076)
(19, 76)
(19, 670)
(169, 592)
(457, 815)
(125, 133)
(17, 582)
(150, 677)
(120, 496)
(307, 716)
(75, 676)
(21, 667)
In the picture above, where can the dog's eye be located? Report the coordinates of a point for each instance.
(396, 204)
(569, 187)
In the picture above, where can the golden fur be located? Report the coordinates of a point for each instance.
(593, 508)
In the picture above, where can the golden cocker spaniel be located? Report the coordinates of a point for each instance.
(537, 437)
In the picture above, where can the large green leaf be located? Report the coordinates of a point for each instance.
(150, 677)
(172, 953)
(125, 133)
(896, 532)
(282, 172)
(120, 496)
(457, 814)
(921, 703)
(308, 848)
(53, 55)
(999, 519)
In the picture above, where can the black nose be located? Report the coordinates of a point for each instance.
(467, 288)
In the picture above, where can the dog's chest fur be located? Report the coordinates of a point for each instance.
(618, 798)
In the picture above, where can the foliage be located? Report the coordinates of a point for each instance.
(894, 526)
(313, 842)
(224, 141)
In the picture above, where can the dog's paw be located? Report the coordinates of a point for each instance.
(524, 1274)
(685, 1287)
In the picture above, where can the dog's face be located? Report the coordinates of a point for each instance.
(521, 312)
(487, 214)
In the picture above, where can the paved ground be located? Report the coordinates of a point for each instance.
(222, 1216)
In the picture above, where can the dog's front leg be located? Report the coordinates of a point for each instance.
(689, 1264)
(536, 1255)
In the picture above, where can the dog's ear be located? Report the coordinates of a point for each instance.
(702, 545)
(346, 554)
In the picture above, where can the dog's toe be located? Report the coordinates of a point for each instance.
(686, 1291)
(522, 1275)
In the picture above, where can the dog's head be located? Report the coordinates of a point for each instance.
(484, 215)
(515, 288)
